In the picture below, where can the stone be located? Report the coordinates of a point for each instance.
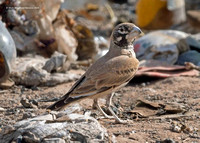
(53, 140)
(49, 128)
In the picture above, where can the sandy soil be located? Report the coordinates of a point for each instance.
(180, 124)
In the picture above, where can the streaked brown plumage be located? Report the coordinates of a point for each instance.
(110, 72)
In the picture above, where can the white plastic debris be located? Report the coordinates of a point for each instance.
(162, 45)
(7, 53)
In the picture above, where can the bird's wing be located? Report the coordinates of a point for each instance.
(120, 70)
(113, 73)
(98, 79)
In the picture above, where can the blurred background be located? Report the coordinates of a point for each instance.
(78, 31)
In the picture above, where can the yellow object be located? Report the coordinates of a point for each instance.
(147, 9)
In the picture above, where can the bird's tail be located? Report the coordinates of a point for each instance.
(63, 102)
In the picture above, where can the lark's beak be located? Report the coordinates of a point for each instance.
(138, 31)
(134, 34)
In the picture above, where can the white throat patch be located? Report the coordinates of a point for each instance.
(119, 39)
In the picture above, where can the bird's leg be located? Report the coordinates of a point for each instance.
(109, 104)
(96, 104)
(109, 99)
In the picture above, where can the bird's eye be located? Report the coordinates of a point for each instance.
(121, 31)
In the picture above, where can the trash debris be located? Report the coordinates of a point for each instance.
(55, 63)
(189, 56)
(153, 63)
(45, 128)
(42, 9)
(67, 42)
(160, 14)
(194, 18)
(2, 1)
(7, 53)
(86, 46)
(44, 16)
(46, 29)
(162, 45)
(29, 72)
(192, 4)
(79, 4)
(191, 66)
(194, 41)
(145, 109)
(24, 43)
(153, 68)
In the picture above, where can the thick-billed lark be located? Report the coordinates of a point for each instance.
(107, 74)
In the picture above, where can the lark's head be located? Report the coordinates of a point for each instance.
(124, 34)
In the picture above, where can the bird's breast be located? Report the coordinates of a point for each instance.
(125, 65)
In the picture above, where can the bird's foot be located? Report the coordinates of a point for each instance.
(117, 119)
(120, 121)
(96, 104)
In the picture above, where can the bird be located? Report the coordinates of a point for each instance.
(108, 74)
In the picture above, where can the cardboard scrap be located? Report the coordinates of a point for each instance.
(145, 108)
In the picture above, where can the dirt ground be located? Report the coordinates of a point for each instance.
(180, 124)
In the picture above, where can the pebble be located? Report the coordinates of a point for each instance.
(143, 84)
(27, 104)
(28, 115)
(2, 109)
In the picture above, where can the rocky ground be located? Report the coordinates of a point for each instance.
(158, 110)
(161, 111)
